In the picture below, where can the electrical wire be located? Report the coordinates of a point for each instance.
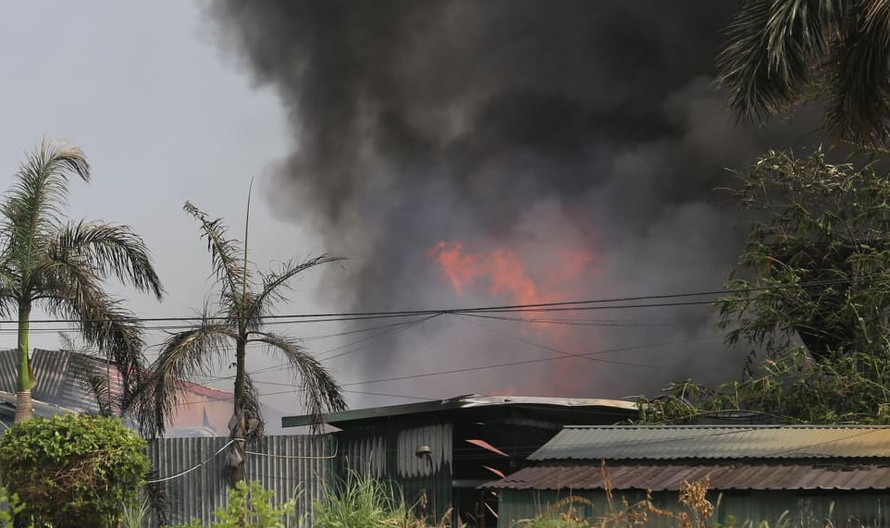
(577, 305)
(193, 468)
(517, 363)
(387, 395)
(558, 351)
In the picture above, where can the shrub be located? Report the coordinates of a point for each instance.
(10, 506)
(251, 505)
(72, 470)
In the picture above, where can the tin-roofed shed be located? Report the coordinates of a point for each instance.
(440, 451)
(760, 472)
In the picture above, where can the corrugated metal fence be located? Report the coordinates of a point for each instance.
(285, 464)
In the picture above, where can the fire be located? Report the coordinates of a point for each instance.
(502, 272)
(539, 272)
(501, 268)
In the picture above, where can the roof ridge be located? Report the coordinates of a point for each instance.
(730, 426)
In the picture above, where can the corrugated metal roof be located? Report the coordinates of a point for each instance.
(715, 442)
(471, 401)
(8, 370)
(42, 409)
(722, 477)
(61, 376)
(51, 370)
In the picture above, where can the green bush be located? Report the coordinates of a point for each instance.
(72, 470)
(10, 506)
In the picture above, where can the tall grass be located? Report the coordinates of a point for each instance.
(364, 502)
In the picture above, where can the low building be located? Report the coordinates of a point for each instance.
(63, 382)
(439, 452)
(40, 409)
(806, 473)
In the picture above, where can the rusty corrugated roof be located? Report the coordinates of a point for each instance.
(60, 377)
(722, 477)
(715, 442)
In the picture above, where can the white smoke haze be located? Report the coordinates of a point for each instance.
(542, 128)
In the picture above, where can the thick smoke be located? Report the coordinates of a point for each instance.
(534, 125)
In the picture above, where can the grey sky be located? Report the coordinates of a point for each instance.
(164, 117)
(428, 134)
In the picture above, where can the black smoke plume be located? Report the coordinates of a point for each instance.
(528, 124)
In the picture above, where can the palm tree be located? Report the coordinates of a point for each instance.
(60, 266)
(780, 53)
(241, 310)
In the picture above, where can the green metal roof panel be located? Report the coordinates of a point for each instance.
(721, 476)
(715, 442)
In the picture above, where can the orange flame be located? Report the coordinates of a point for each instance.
(501, 268)
(505, 274)
(549, 272)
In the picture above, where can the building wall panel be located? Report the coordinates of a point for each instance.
(801, 510)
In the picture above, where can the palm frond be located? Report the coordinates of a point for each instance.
(320, 392)
(10, 290)
(33, 204)
(110, 250)
(88, 374)
(771, 50)
(103, 323)
(225, 253)
(184, 355)
(275, 284)
(858, 85)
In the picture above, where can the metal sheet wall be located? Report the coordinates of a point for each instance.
(804, 510)
(390, 453)
(284, 464)
(425, 480)
(365, 453)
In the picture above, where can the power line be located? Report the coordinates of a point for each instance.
(516, 363)
(398, 327)
(578, 305)
(294, 389)
(558, 351)
(388, 395)
(407, 326)
(610, 323)
(538, 345)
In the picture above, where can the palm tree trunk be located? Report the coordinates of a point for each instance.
(239, 429)
(23, 405)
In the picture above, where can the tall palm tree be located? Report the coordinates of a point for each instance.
(60, 266)
(780, 53)
(241, 309)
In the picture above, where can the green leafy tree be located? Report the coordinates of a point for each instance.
(810, 296)
(780, 53)
(840, 389)
(816, 266)
(236, 321)
(73, 470)
(60, 266)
